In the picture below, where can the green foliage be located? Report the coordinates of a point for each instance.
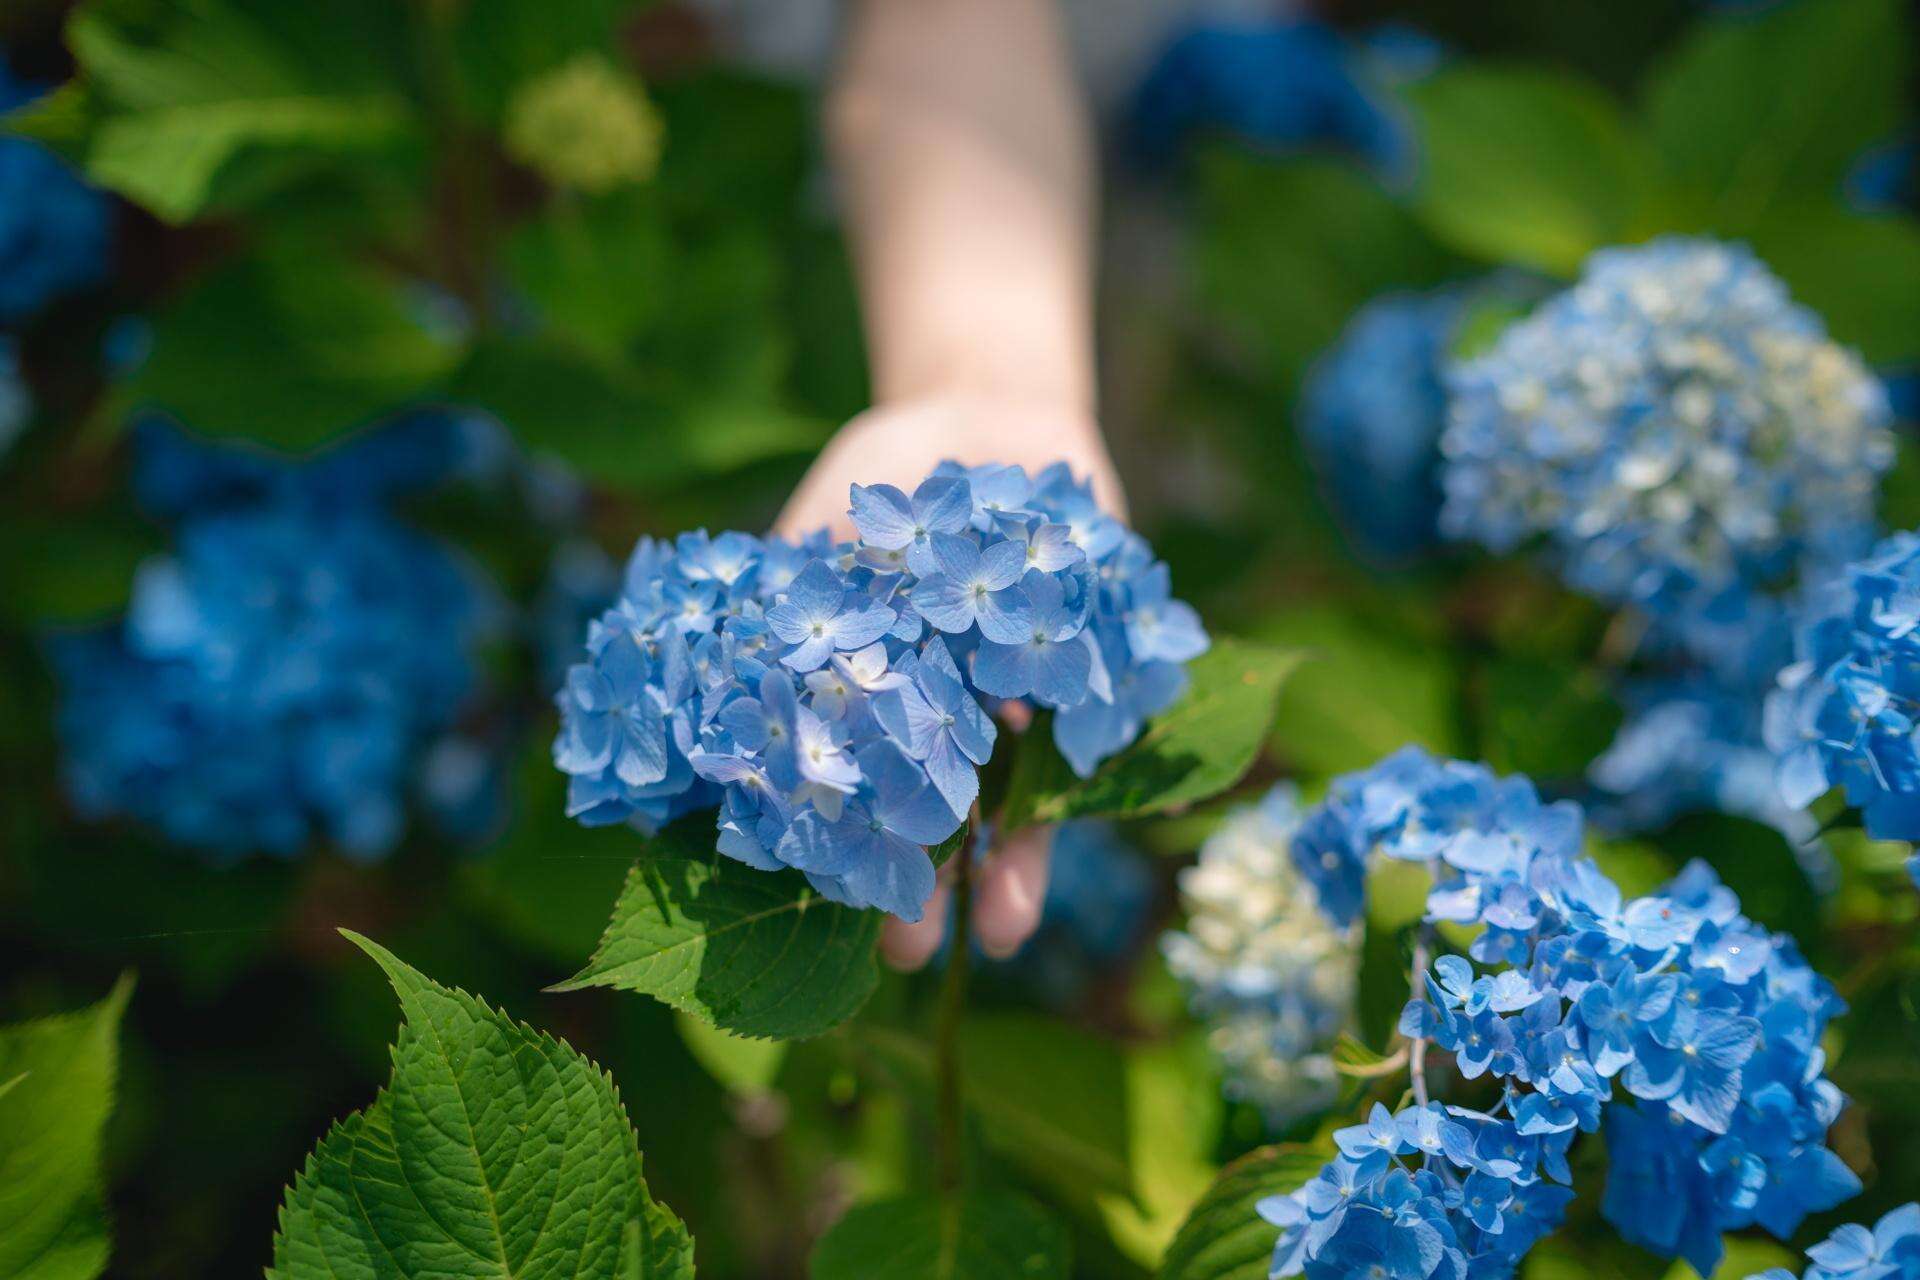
(984, 1235)
(1193, 751)
(1529, 167)
(1751, 110)
(291, 347)
(1860, 272)
(1366, 688)
(752, 952)
(494, 1151)
(1223, 1238)
(1050, 1099)
(196, 106)
(1544, 717)
(56, 1089)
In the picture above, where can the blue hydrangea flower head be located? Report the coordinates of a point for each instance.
(1264, 967)
(1282, 84)
(1371, 412)
(280, 672)
(1845, 710)
(1676, 431)
(54, 229)
(1679, 1029)
(831, 701)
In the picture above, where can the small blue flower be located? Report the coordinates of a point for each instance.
(54, 229)
(821, 614)
(889, 521)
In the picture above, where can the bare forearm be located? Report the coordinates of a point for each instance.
(964, 153)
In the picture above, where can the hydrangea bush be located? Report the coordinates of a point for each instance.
(1673, 1026)
(1266, 970)
(832, 701)
(281, 669)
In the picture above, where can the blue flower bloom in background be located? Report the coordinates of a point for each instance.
(1284, 84)
(1847, 708)
(1885, 178)
(827, 700)
(1888, 1250)
(1371, 411)
(1677, 431)
(1690, 744)
(54, 229)
(1264, 966)
(16, 402)
(1685, 1032)
(281, 671)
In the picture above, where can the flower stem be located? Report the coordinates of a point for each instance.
(950, 1161)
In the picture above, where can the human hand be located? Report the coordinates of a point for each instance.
(900, 444)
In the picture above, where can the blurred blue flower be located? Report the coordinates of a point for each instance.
(54, 229)
(1885, 178)
(1281, 83)
(828, 700)
(1371, 411)
(281, 670)
(1678, 432)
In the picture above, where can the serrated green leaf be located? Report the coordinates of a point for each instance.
(741, 1064)
(1223, 1238)
(756, 953)
(1526, 166)
(494, 1151)
(985, 1235)
(59, 1077)
(1754, 107)
(1194, 750)
(180, 95)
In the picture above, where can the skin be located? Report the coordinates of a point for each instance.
(964, 154)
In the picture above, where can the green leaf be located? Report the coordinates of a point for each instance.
(290, 347)
(756, 953)
(742, 1065)
(597, 268)
(56, 1089)
(1860, 272)
(501, 44)
(985, 1235)
(616, 425)
(1194, 750)
(1368, 689)
(1753, 107)
(1050, 1098)
(1529, 167)
(494, 1151)
(1174, 1112)
(1224, 1239)
(178, 99)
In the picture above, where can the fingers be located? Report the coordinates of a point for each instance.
(1010, 892)
(908, 947)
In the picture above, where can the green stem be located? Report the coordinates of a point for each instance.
(949, 1151)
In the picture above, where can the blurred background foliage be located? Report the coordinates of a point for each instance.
(590, 223)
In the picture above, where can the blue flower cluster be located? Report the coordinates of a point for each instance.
(54, 229)
(1888, 1250)
(1680, 433)
(282, 670)
(1264, 968)
(1283, 84)
(1686, 1032)
(1846, 710)
(1371, 411)
(828, 698)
